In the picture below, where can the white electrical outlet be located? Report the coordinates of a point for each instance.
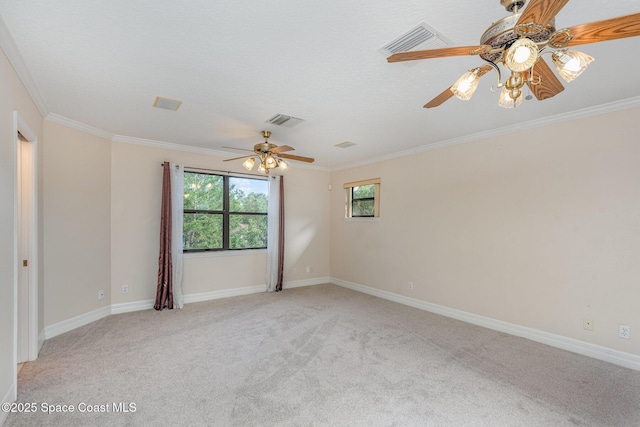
(125, 289)
(309, 269)
(101, 294)
(624, 331)
(410, 285)
(587, 324)
(294, 271)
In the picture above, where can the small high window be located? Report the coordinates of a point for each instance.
(363, 199)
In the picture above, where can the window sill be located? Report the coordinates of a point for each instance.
(215, 254)
(364, 219)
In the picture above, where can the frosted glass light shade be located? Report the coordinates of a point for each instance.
(571, 63)
(465, 86)
(521, 55)
(270, 162)
(249, 163)
(506, 101)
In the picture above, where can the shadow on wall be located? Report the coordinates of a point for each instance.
(298, 238)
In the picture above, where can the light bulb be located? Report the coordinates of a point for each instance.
(521, 54)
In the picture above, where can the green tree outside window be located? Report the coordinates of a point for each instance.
(224, 212)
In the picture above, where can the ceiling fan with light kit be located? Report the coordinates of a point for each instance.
(518, 42)
(269, 156)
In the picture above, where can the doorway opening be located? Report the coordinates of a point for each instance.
(25, 244)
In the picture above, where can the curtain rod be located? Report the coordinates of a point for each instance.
(226, 172)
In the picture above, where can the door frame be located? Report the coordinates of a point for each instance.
(20, 125)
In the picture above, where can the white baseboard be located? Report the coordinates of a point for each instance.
(225, 293)
(306, 282)
(75, 322)
(84, 319)
(576, 346)
(126, 307)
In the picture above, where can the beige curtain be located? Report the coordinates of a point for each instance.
(275, 241)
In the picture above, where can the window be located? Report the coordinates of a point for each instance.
(224, 212)
(363, 199)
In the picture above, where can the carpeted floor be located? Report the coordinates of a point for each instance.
(319, 355)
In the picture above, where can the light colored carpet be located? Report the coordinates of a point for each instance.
(320, 355)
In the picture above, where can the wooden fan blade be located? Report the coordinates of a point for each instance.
(236, 158)
(541, 11)
(299, 158)
(608, 29)
(549, 85)
(282, 149)
(440, 99)
(241, 149)
(447, 93)
(438, 53)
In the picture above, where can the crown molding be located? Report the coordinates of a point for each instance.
(55, 118)
(547, 121)
(167, 145)
(192, 149)
(10, 49)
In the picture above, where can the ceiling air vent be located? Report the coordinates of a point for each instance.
(284, 120)
(167, 104)
(420, 37)
(345, 144)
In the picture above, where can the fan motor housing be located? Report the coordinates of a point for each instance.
(264, 147)
(502, 34)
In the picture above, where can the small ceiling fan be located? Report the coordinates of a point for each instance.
(269, 156)
(518, 42)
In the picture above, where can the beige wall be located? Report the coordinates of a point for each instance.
(307, 229)
(77, 190)
(521, 228)
(538, 228)
(135, 207)
(14, 98)
(102, 205)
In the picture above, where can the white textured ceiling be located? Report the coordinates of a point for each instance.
(235, 64)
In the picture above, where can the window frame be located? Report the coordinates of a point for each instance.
(225, 212)
(349, 186)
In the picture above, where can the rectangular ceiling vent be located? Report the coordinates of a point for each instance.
(284, 120)
(345, 144)
(167, 103)
(420, 37)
